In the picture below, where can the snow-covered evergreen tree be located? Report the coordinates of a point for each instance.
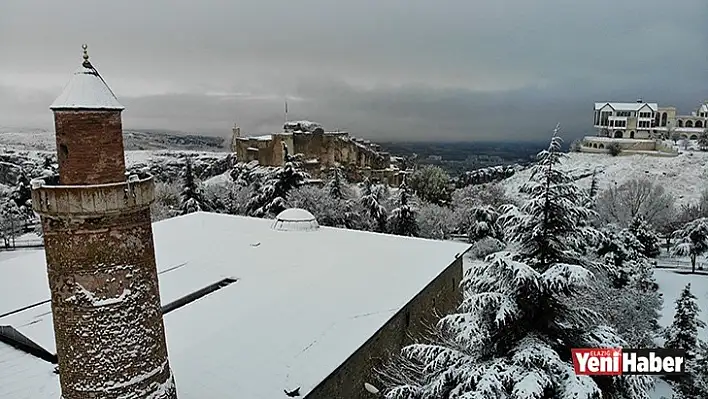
(512, 335)
(270, 197)
(337, 184)
(623, 253)
(683, 334)
(484, 223)
(192, 197)
(483, 231)
(402, 220)
(691, 240)
(371, 198)
(646, 236)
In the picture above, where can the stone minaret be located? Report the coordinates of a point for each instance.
(100, 255)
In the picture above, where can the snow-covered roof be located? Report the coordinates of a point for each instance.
(86, 90)
(703, 107)
(626, 106)
(302, 303)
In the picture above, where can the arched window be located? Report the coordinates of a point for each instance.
(689, 123)
(693, 137)
(602, 146)
(618, 134)
(663, 118)
(699, 124)
(680, 123)
(631, 134)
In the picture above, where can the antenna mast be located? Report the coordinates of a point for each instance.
(286, 110)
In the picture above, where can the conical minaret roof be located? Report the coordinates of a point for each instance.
(86, 90)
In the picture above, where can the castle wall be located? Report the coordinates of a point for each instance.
(328, 149)
(441, 296)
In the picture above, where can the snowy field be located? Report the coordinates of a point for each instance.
(684, 176)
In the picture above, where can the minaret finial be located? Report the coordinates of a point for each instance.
(86, 63)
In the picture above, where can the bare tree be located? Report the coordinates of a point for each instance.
(620, 204)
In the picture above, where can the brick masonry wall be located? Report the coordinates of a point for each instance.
(441, 296)
(89, 146)
(105, 300)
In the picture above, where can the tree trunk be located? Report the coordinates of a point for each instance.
(693, 263)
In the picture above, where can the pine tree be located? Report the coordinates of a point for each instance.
(624, 255)
(270, 197)
(402, 220)
(691, 240)
(512, 335)
(371, 198)
(646, 236)
(191, 198)
(484, 224)
(683, 334)
(337, 184)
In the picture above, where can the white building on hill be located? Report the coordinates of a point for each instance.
(639, 127)
(254, 308)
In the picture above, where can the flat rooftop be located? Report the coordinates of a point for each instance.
(295, 304)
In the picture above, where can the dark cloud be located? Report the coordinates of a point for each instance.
(414, 69)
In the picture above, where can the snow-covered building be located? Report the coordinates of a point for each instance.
(254, 307)
(625, 120)
(640, 127)
(640, 120)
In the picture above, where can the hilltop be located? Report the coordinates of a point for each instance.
(684, 176)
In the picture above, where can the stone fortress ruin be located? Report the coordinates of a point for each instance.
(319, 151)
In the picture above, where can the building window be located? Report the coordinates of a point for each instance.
(699, 124)
(689, 123)
(680, 123)
(631, 134)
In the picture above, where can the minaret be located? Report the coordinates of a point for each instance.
(100, 254)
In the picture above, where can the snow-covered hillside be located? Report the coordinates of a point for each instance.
(43, 140)
(684, 176)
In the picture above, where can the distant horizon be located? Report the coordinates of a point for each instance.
(226, 136)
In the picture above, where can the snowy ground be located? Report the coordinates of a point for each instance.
(685, 176)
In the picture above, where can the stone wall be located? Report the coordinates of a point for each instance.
(328, 148)
(89, 146)
(441, 296)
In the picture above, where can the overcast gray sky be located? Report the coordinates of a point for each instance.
(383, 69)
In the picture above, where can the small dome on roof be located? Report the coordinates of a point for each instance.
(295, 219)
